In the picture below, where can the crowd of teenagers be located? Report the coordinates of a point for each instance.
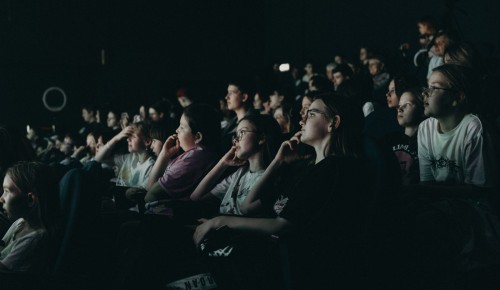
(365, 177)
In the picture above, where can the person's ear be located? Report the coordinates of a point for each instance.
(262, 139)
(161, 115)
(334, 124)
(148, 142)
(459, 99)
(32, 199)
(244, 97)
(198, 137)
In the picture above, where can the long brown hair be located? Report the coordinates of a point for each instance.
(40, 180)
(346, 139)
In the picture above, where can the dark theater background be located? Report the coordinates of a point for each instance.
(129, 52)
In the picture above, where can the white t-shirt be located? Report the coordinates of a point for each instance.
(234, 189)
(434, 62)
(461, 155)
(23, 247)
(132, 172)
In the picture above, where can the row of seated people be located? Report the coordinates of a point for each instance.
(318, 191)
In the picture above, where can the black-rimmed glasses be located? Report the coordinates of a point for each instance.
(312, 112)
(430, 90)
(239, 135)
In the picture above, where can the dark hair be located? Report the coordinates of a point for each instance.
(39, 179)
(429, 21)
(401, 84)
(162, 106)
(269, 127)
(321, 83)
(204, 119)
(344, 69)
(243, 86)
(90, 108)
(462, 54)
(13, 147)
(159, 132)
(288, 115)
(346, 138)
(463, 80)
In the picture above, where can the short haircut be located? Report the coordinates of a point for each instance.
(243, 86)
(159, 131)
(344, 69)
(204, 119)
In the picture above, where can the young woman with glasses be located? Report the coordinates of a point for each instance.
(255, 143)
(319, 200)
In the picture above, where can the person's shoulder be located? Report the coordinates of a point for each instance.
(429, 123)
(473, 125)
(199, 152)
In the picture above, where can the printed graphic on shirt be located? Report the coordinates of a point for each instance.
(280, 204)
(444, 162)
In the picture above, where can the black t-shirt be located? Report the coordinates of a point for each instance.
(406, 150)
(328, 208)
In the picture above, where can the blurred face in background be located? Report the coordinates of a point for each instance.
(392, 98)
(234, 98)
(112, 120)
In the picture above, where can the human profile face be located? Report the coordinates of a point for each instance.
(423, 29)
(142, 113)
(186, 137)
(112, 120)
(156, 146)
(315, 126)
(86, 115)
(234, 98)
(306, 103)
(257, 102)
(308, 68)
(280, 118)
(246, 140)
(135, 142)
(14, 202)
(392, 98)
(329, 73)
(363, 54)
(154, 115)
(438, 99)
(338, 78)
(374, 66)
(440, 45)
(275, 100)
(407, 110)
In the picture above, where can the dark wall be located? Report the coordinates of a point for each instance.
(152, 47)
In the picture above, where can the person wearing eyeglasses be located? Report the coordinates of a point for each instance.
(255, 143)
(453, 144)
(316, 203)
